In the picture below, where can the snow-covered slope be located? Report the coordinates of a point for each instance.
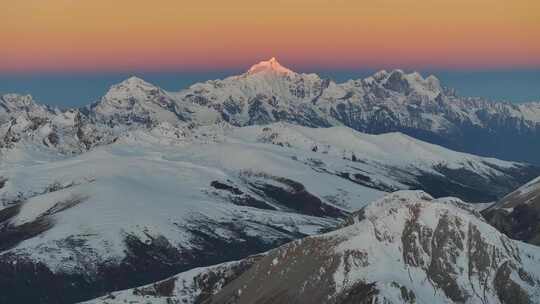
(528, 194)
(146, 183)
(162, 200)
(405, 248)
(123, 215)
(518, 213)
(269, 92)
(377, 161)
(193, 286)
(385, 102)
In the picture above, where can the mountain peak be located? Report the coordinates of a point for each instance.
(131, 87)
(271, 65)
(134, 81)
(399, 81)
(17, 102)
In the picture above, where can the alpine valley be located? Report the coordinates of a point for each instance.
(270, 187)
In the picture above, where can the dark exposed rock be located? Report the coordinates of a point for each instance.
(518, 214)
(407, 295)
(397, 83)
(163, 288)
(9, 212)
(361, 293)
(25, 281)
(294, 196)
(470, 186)
(282, 282)
(446, 245)
(258, 113)
(508, 291)
(248, 200)
(522, 223)
(414, 234)
(481, 256)
(53, 139)
(223, 186)
(11, 235)
(211, 282)
(364, 180)
(239, 198)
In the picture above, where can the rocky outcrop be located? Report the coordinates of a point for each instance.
(404, 248)
(518, 213)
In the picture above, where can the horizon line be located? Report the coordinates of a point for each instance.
(295, 68)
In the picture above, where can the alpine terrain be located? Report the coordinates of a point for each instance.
(518, 213)
(147, 185)
(404, 248)
(268, 92)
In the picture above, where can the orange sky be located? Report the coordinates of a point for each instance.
(73, 35)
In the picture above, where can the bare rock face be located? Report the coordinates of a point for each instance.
(396, 82)
(404, 248)
(518, 214)
(194, 286)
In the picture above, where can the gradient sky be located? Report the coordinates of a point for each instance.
(68, 52)
(105, 35)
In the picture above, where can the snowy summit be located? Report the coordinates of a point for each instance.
(271, 65)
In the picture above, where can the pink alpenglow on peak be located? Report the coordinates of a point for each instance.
(271, 65)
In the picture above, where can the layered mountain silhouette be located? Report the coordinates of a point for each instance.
(145, 185)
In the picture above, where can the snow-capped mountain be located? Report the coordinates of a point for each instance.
(385, 102)
(404, 248)
(268, 92)
(145, 183)
(25, 123)
(135, 102)
(13, 105)
(518, 213)
(163, 200)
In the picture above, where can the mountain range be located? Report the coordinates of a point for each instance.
(404, 248)
(268, 92)
(145, 185)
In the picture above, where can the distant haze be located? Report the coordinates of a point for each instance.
(78, 89)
